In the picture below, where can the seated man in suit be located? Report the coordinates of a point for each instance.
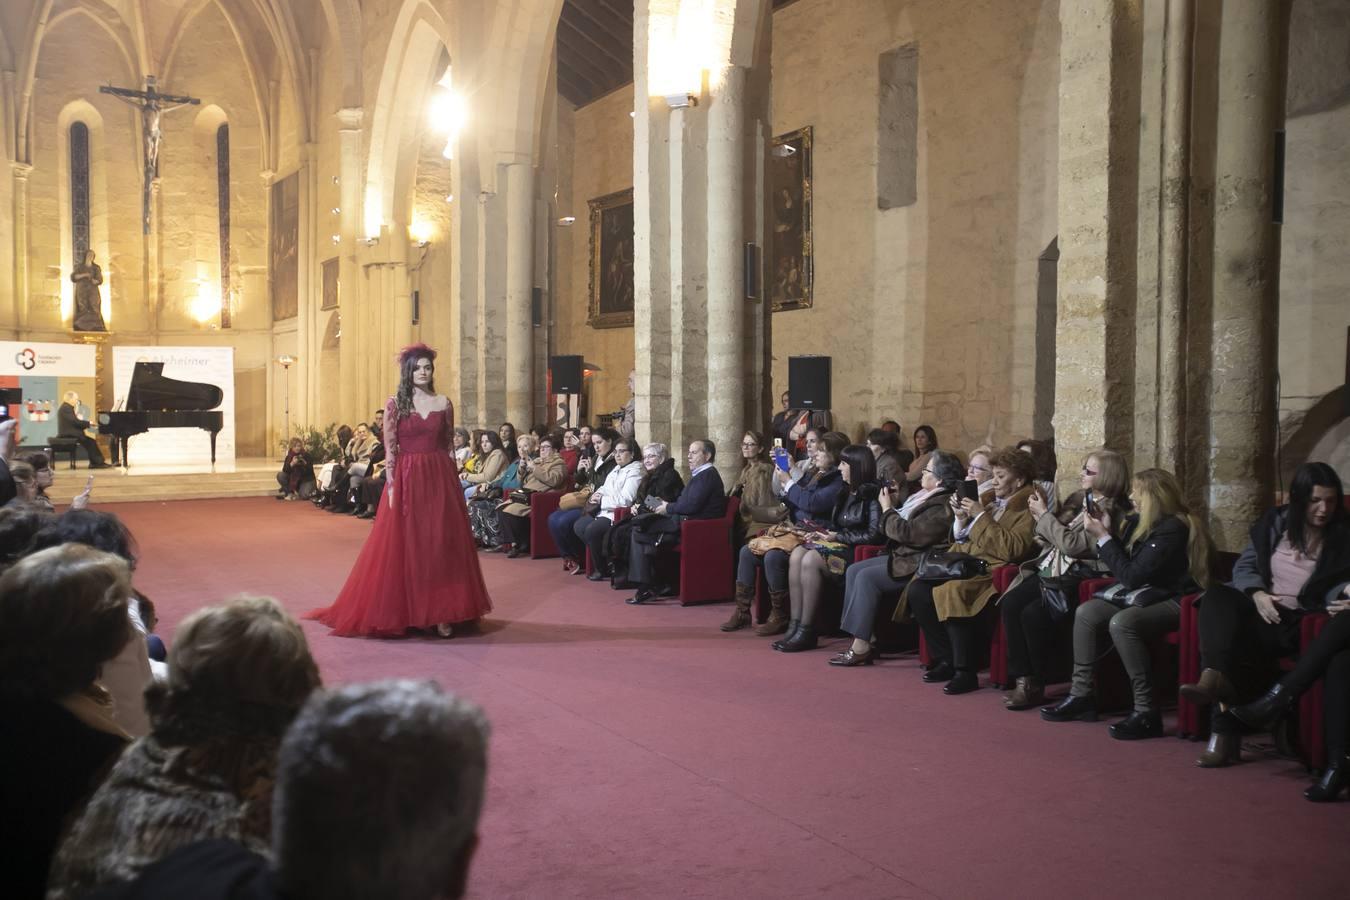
(70, 425)
(705, 497)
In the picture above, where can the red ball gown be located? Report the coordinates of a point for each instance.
(419, 567)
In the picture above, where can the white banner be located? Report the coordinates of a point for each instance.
(188, 449)
(30, 359)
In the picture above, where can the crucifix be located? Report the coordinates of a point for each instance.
(152, 105)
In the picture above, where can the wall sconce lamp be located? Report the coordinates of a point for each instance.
(681, 101)
(567, 221)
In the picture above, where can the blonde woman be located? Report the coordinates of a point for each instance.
(1169, 550)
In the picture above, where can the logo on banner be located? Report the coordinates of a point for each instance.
(26, 358)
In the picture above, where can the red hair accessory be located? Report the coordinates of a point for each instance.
(416, 351)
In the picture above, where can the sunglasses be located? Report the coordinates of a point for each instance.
(1087, 471)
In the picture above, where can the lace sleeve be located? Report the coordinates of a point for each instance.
(390, 438)
(450, 431)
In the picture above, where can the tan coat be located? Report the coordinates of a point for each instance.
(1071, 540)
(1009, 539)
(759, 507)
(545, 475)
(928, 526)
(489, 469)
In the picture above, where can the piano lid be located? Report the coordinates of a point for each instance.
(150, 390)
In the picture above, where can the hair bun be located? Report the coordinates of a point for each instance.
(416, 351)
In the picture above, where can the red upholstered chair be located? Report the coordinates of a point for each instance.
(542, 505)
(1310, 709)
(998, 650)
(707, 560)
(620, 514)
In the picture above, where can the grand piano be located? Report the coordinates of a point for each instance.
(154, 401)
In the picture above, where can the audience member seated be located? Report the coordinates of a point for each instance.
(1293, 563)
(571, 451)
(239, 673)
(296, 479)
(63, 614)
(885, 448)
(18, 525)
(925, 442)
(826, 555)
(754, 486)
(802, 468)
(463, 446)
(25, 485)
(592, 470)
(922, 522)
(810, 503)
(373, 467)
(484, 518)
(1038, 606)
(660, 483)
(378, 794)
(618, 492)
(546, 473)
(703, 498)
(1047, 467)
(780, 427)
(334, 478)
(981, 472)
(1166, 555)
(954, 613)
(489, 462)
(507, 433)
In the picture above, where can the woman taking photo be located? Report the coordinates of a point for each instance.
(547, 473)
(828, 553)
(1168, 551)
(754, 485)
(418, 568)
(1038, 606)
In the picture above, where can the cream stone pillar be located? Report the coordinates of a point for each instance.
(21, 171)
(349, 224)
(1252, 47)
(307, 369)
(519, 284)
(727, 360)
(491, 348)
(1098, 136)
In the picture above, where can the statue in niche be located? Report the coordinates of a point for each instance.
(88, 301)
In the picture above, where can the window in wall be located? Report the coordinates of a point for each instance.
(79, 191)
(223, 207)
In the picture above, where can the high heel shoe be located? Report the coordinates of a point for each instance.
(851, 658)
(1212, 687)
(792, 626)
(445, 630)
(1335, 778)
(1265, 710)
(1223, 750)
(803, 639)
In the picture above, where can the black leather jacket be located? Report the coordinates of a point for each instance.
(857, 516)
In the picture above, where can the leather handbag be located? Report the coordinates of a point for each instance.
(779, 537)
(1060, 592)
(521, 495)
(1119, 595)
(946, 565)
(576, 499)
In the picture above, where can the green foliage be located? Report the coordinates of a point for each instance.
(320, 446)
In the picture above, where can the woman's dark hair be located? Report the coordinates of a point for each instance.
(1018, 462)
(928, 431)
(607, 433)
(833, 443)
(407, 362)
(493, 438)
(37, 459)
(1306, 477)
(344, 436)
(886, 440)
(91, 527)
(761, 454)
(862, 466)
(512, 452)
(18, 524)
(947, 469)
(1044, 456)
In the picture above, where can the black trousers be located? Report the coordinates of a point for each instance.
(592, 531)
(1030, 630)
(956, 641)
(515, 531)
(646, 543)
(1328, 656)
(1239, 643)
(91, 449)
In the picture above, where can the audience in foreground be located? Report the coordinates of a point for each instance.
(378, 793)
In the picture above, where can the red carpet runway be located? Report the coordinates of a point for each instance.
(639, 752)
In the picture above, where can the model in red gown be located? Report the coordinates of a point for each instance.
(419, 567)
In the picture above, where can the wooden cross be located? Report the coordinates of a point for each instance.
(152, 105)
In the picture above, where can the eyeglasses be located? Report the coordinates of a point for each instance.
(975, 468)
(749, 444)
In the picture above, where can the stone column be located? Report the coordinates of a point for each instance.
(1252, 47)
(726, 239)
(491, 348)
(519, 282)
(1098, 206)
(21, 172)
(349, 275)
(306, 307)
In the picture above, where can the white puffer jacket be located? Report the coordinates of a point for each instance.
(620, 488)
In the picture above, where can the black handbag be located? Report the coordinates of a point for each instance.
(521, 495)
(1119, 595)
(945, 565)
(1060, 592)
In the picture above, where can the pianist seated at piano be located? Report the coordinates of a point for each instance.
(70, 425)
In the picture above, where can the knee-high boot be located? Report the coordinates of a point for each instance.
(777, 623)
(740, 616)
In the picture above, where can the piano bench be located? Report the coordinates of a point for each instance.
(65, 445)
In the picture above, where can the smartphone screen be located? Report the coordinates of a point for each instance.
(1089, 504)
(780, 459)
(970, 490)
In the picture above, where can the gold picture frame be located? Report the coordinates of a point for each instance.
(791, 274)
(612, 287)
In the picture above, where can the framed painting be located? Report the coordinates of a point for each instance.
(329, 298)
(285, 248)
(790, 265)
(612, 261)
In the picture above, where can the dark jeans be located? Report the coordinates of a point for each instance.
(515, 531)
(1239, 643)
(1328, 656)
(1029, 629)
(561, 523)
(591, 531)
(866, 584)
(774, 563)
(956, 641)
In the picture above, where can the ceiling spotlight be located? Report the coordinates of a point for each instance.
(567, 221)
(449, 198)
(337, 239)
(336, 210)
(335, 179)
(632, 114)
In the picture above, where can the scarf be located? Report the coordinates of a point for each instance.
(914, 501)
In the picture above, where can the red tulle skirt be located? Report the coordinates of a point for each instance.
(419, 567)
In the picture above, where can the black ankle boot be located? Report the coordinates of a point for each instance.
(1071, 709)
(940, 672)
(803, 639)
(1335, 778)
(963, 682)
(1264, 711)
(1138, 726)
(793, 625)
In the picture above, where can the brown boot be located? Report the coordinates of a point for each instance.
(1213, 687)
(777, 622)
(1223, 750)
(1029, 692)
(740, 616)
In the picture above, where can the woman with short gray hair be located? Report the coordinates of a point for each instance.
(660, 483)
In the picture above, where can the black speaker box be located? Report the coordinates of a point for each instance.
(809, 382)
(565, 374)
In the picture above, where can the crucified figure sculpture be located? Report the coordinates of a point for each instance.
(152, 105)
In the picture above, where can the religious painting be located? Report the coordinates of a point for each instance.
(790, 268)
(612, 261)
(329, 299)
(285, 248)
